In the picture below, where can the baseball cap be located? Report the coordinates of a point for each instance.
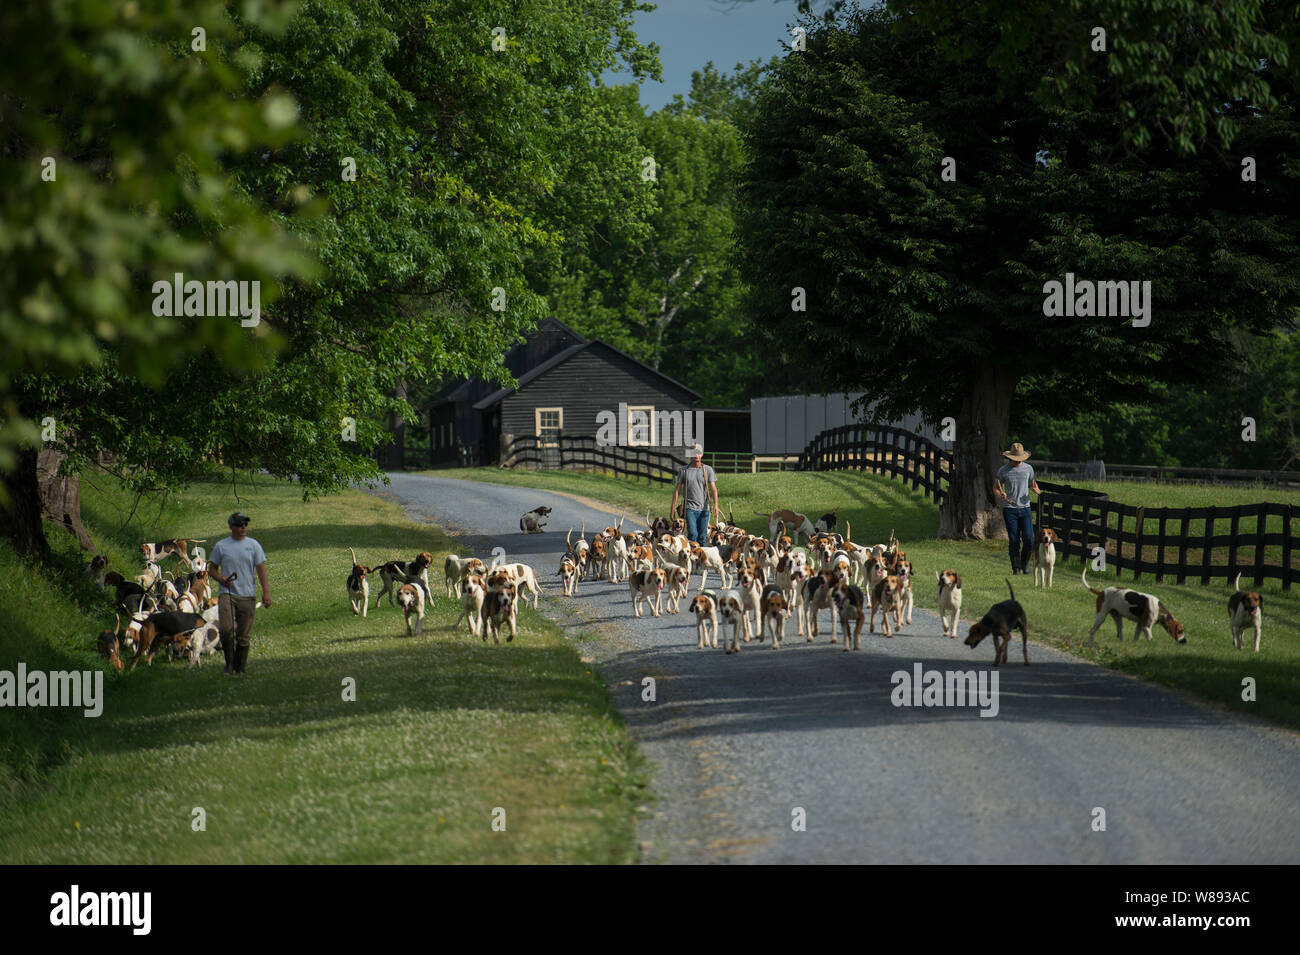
(236, 518)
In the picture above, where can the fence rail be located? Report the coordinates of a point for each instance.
(882, 449)
(582, 453)
(1165, 541)
(1155, 472)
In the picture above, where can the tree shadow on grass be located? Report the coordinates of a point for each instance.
(300, 696)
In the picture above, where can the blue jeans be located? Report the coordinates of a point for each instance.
(697, 527)
(1020, 534)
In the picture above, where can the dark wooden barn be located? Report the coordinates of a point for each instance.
(455, 428)
(585, 387)
(566, 383)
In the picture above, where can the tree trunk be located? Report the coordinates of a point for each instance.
(969, 510)
(396, 457)
(61, 497)
(20, 517)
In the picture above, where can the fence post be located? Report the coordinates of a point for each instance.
(1160, 546)
(1286, 546)
(1207, 547)
(1232, 546)
(1103, 520)
(1139, 518)
(1085, 508)
(1184, 527)
(1260, 521)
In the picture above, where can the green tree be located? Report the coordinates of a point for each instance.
(117, 124)
(928, 294)
(459, 149)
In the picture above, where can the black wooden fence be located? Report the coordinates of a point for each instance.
(882, 449)
(582, 453)
(1182, 542)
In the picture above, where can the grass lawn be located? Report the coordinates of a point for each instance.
(873, 505)
(443, 731)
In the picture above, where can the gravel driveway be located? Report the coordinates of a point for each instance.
(742, 743)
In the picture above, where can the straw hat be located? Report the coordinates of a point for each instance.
(1017, 452)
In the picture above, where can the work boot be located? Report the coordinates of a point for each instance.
(228, 648)
(241, 659)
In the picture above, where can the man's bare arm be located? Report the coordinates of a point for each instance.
(266, 586)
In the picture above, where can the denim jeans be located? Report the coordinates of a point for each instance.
(697, 527)
(1020, 534)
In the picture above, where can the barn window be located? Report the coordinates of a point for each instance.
(640, 426)
(549, 422)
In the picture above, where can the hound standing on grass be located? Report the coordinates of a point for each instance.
(1045, 541)
(1245, 609)
(411, 599)
(1144, 610)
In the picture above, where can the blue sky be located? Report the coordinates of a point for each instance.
(692, 32)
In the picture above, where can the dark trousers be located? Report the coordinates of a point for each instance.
(236, 618)
(1020, 534)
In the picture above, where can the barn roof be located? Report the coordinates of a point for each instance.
(470, 389)
(560, 358)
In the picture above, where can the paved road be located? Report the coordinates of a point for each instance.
(740, 742)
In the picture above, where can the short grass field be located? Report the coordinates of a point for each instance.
(872, 505)
(444, 730)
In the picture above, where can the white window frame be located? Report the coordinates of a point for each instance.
(650, 426)
(537, 423)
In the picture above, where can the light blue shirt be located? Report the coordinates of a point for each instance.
(242, 558)
(1015, 481)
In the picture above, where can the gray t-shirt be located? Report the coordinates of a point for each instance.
(696, 482)
(241, 557)
(1016, 481)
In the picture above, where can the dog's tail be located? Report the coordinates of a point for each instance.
(1085, 583)
(1013, 593)
(1236, 583)
(117, 624)
(354, 556)
(761, 514)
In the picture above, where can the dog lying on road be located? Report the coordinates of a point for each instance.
(531, 523)
(1001, 619)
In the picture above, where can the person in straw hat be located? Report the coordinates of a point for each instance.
(1018, 478)
(699, 482)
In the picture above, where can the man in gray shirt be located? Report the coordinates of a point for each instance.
(700, 483)
(1016, 510)
(232, 564)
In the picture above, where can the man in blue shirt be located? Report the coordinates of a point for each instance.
(1016, 511)
(232, 564)
(699, 482)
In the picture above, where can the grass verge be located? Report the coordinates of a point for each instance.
(444, 729)
(872, 505)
